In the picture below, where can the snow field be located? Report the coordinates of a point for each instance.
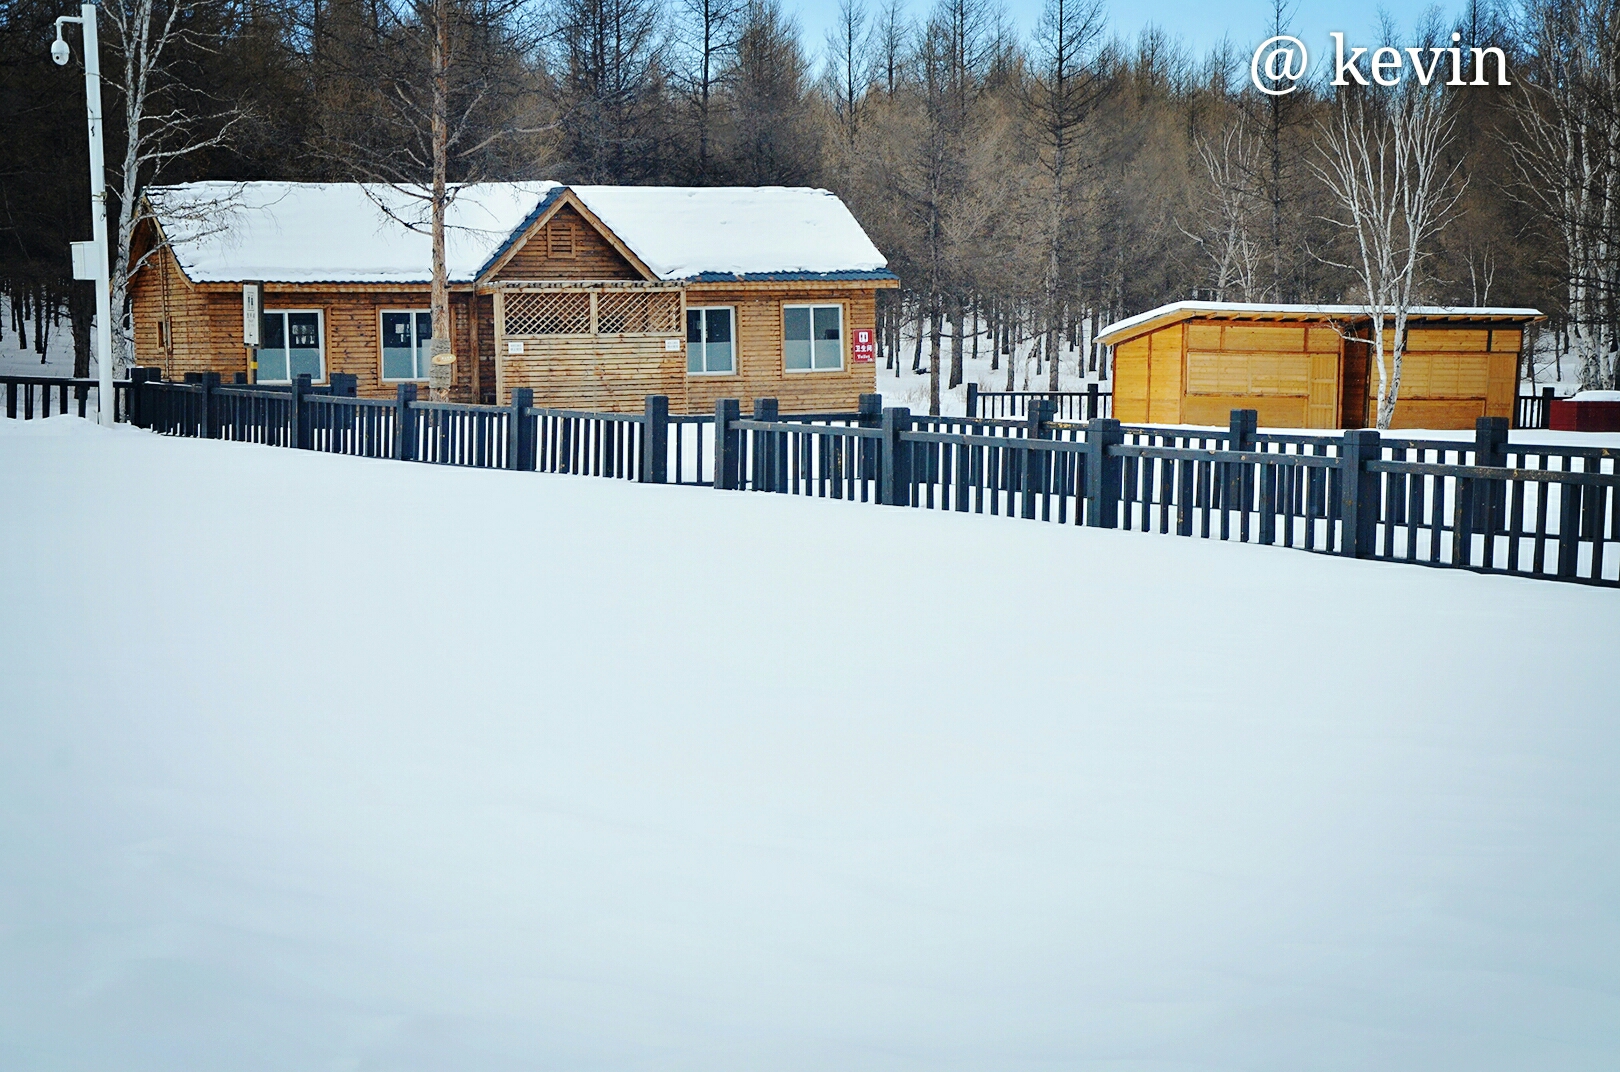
(395, 766)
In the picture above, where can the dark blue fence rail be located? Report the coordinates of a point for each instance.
(1483, 504)
(1534, 411)
(31, 397)
(1087, 405)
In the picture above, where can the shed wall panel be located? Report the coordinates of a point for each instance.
(1274, 412)
(1131, 380)
(1167, 357)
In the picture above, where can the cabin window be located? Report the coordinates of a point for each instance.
(293, 345)
(812, 337)
(405, 335)
(709, 346)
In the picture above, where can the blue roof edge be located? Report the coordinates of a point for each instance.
(785, 277)
(528, 221)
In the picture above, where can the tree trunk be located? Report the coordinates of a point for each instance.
(933, 360)
(956, 343)
(439, 298)
(81, 311)
(916, 356)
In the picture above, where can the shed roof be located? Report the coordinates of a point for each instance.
(362, 233)
(1165, 315)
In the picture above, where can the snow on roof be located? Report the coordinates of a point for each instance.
(292, 232)
(680, 231)
(302, 232)
(1185, 310)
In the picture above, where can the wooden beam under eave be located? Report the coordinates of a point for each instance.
(283, 287)
(792, 284)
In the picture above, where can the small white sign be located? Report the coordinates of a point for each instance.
(252, 313)
(672, 345)
(514, 346)
(84, 260)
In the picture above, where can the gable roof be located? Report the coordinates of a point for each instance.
(1174, 313)
(341, 233)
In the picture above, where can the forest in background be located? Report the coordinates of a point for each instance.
(1025, 187)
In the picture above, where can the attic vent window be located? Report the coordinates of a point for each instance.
(560, 239)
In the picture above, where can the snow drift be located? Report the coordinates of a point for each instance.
(347, 764)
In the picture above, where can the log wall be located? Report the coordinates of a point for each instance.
(205, 326)
(615, 372)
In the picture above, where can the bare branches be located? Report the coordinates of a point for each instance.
(1227, 237)
(1385, 163)
(1567, 154)
(165, 120)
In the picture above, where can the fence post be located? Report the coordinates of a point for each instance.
(972, 400)
(764, 452)
(894, 458)
(210, 380)
(1240, 429)
(191, 422)
(1546, 408)
(655, 441)
(1103, 473)
(404, 423)
(1093, 398)
(300, 421)
(1490, 448)
(1358, 493)
(138, 376)
(1041, 410)
(345, 385)
(870, 415)
(519, 433)
(726, 412)
(239, 379)
(11, 401)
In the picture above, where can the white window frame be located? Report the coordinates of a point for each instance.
(730, 309)
(843, 337)
(382, 345)
(320, 331)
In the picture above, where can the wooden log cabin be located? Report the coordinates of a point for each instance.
(1309, 366)
(594, 296)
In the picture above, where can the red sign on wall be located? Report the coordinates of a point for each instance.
(865, 348)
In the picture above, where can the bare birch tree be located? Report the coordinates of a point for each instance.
(1568, 157)
(163, 122)
(1227, 238)
(1384, 160)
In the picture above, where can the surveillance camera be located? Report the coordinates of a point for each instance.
(60, 52)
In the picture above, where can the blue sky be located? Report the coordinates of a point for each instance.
(1200, 23)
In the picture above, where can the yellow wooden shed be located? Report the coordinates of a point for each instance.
(1308, 366)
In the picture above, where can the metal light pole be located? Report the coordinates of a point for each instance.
(105, 402)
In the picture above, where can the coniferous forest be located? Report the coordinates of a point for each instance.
(1028, 188)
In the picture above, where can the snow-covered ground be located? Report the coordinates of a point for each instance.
(315, 762)
(908, 388)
